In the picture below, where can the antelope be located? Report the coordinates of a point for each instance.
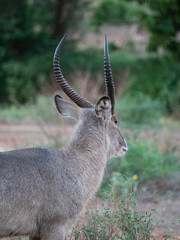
(44, 190)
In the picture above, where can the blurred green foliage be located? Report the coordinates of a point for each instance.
(146, 160)
(29, 31)
(23, 41)
(137, 109)
(30, 112)
(143, 161)
(163, 22)
(23, 78)
(116, 12)
(158, 75)
(161, 18)
(29, 35)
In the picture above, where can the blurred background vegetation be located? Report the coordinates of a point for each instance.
(30, 31)
(146, 74)
(144, 45)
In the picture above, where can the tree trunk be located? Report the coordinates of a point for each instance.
(58, 23)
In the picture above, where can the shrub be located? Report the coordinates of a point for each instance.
(24, 78)
(27, 38)
(143, 160)
(122, 221)
(136, 108)
(158, 77)
(31, 112)
(115, 12)
(163, 22)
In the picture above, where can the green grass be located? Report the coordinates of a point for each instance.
(44, 108)
(142, 161)
(136, 109)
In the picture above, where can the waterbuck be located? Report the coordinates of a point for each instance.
(43, 190)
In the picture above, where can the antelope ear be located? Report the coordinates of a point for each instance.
(103, 108)
(66, 108)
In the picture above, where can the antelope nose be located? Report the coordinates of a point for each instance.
(124, 148)
(125, 143)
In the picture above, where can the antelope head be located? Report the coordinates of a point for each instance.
(103, 113)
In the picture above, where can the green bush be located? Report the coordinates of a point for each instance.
(27, 40)
(151, 85)
(137, 108)
(30, 112)
(158, 77)
(163, 23)
(115, 12)
(24, 41)
(154, 76)
(123, 222)
(24, 78)
(143, 160)
(152, 79)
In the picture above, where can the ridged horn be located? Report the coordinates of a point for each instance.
(75, 97)
(110, 89)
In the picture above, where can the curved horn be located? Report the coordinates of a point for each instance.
(75, 97)
(108, 75)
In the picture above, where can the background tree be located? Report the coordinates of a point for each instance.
(67, 15)
(30, 31)
(163, 22)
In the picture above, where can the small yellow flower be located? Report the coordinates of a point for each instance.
(135, 177)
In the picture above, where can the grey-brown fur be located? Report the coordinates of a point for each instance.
(43, 190)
